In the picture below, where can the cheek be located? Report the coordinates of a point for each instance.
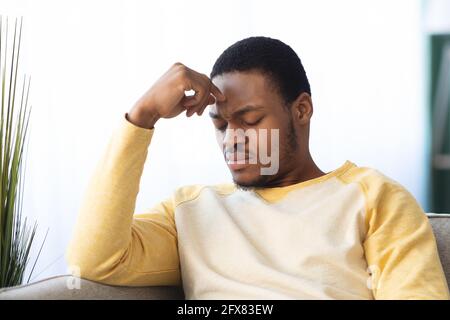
(269, 141)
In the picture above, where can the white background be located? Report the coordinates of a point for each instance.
(91, 60)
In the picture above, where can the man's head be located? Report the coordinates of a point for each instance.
(265, 87)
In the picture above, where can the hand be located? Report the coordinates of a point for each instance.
(167, 99)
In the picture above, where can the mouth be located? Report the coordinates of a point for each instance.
(238, 162)
(237, 165)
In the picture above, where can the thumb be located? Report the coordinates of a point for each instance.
(188, 101)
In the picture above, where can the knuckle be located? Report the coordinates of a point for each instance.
(207, 79)
(180, 68)
(183, 73)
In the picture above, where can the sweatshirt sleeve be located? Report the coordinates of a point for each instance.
(110, 244)
(400, 247)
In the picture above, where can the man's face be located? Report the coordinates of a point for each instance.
(252, 103)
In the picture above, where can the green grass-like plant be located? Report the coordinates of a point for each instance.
(16, 235)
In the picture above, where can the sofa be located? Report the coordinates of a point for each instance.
(67, 287)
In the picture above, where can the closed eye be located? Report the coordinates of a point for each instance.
(248, 124)
(254, 123)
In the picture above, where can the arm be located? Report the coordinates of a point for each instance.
(401, 249)
(109, 244)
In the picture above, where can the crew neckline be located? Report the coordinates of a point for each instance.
(276, 193)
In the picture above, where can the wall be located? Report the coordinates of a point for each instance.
(91, 60)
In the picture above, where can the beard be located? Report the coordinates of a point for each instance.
(289, 146)
(260, 182)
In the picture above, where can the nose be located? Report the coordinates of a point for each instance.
(234, 140)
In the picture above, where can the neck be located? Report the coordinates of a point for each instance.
(309, 170)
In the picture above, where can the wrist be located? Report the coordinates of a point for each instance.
(142, 118)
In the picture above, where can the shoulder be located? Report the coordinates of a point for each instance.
(191, 192)
(386, 199)
(375, 184)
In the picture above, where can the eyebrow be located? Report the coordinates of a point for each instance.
(239, 112)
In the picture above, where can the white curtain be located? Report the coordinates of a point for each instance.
(91, 60)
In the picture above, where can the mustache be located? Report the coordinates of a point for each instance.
(233, 153)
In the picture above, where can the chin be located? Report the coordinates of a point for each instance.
(249, 178)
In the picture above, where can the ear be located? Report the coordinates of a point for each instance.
(302, 109)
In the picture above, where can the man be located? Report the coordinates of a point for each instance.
(293, 233)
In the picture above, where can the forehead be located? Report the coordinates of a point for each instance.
(242, 89)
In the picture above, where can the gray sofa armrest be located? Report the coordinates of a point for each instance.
(67, 287)
(441, 228)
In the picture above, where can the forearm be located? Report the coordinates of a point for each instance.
(102, 233)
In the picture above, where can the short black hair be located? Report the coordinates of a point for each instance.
(269, 56)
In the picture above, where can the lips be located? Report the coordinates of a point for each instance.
(237, 161)
(237, 166)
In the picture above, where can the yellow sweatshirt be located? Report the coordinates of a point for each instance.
(350, 234)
